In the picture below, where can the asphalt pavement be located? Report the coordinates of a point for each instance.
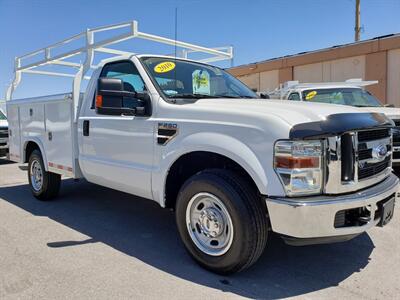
(97, 243)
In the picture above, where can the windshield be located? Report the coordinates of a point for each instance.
(2, 116)
(184, 79)
(345, 96)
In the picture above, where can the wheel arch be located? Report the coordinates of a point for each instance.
(220, 151)
(31, 145)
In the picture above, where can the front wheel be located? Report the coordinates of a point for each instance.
(222, 221)
(44, 185)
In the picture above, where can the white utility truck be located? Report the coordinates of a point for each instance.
(3, 135)
(196, 140)
(350, 92)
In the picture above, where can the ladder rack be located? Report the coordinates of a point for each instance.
(46, 56)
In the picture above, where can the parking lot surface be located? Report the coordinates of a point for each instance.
(94, 242)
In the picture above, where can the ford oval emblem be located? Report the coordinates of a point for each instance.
(379, 152)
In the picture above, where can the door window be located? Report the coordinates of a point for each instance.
(294, 96)
(128, 73)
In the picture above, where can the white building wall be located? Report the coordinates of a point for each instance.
(334, 70)
(269, 80)
(308, 73)
(346, 68)
(252, 80)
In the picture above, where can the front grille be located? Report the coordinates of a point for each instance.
(370, 135)
(372, 169)
(396, 141)
(367, 140)
(396, 133)
(364, 154)
(3, 133)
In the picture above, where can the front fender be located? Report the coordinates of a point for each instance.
(208, 142)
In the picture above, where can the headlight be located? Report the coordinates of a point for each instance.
(299, 166)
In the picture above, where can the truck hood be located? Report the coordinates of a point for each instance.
(290, 111)
(390, 112)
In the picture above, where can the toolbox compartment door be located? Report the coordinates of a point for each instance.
(59, 137)
(14, 131)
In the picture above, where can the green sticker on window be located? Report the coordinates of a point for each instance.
(201, 82)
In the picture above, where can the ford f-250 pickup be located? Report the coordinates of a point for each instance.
(196, 140)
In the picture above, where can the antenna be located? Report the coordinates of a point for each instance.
(176, 29)
(176, 38)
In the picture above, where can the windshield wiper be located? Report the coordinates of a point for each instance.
(227, 96)
(192, 96)
(203, 96)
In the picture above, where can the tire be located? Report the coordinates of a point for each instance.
(247, 214)
(46, 185)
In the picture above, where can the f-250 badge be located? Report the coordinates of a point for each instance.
(166, 132)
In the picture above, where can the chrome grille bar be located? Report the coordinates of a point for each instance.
(355, 148)
(334, 183)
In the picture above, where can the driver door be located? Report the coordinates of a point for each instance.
(118, 149)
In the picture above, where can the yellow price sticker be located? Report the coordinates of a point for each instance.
(311, 95)
(164, 67)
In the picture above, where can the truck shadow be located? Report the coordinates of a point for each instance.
(141, 229)
(4, 161)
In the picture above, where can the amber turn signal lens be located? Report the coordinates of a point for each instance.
(99, 101)
(289, 162)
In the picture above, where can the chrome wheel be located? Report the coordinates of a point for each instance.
(209, 224)
(36, 175)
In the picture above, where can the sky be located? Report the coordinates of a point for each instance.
(257, 29)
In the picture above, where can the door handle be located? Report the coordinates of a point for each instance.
(86, 128)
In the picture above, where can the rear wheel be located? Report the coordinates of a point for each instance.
(44, 185)
(222, 221)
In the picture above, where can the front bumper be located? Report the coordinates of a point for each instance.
(314, 217)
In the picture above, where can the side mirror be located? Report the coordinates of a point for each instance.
(389, 105)
(112, 99)
(263, 95)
